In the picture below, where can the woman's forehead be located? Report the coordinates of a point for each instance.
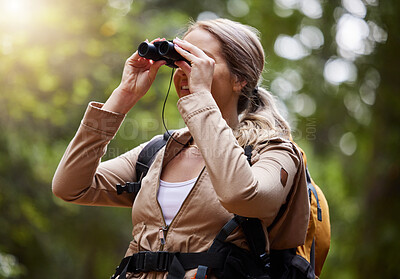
(204, 40)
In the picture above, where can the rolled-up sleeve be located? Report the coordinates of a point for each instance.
(80, 176)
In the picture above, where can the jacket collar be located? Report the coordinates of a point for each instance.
(173, 147)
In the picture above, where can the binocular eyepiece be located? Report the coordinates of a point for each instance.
(163, 50)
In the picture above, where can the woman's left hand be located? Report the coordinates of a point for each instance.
(200, 72)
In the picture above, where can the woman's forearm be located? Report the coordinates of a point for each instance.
(120, 102)
(79, 178)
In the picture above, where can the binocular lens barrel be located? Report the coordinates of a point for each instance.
(149, 51)
(163, 50)
(168, 50)
(143, 48)
(165, 47)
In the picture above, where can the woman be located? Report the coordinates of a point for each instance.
(191, 191)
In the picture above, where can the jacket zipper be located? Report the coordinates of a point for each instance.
(163, 230)
(161, 234)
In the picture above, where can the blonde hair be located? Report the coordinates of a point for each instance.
(244, 54)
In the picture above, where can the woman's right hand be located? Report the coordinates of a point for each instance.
(137, 77)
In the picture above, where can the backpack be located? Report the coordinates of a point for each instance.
(225, 259)
(318, 238)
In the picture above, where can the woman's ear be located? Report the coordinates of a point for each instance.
(238, 84)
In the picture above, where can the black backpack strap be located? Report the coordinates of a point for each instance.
(255, 236)
(253, 229)
(312, 254)
(148, 154)
(226, 230)
(219, 241)
(247, 151)
(145, 159)
(175, 263)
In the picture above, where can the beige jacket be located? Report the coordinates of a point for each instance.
(226, 185)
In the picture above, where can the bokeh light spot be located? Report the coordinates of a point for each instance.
(282, 12)
(295, 78)
(367, 94)
(304, 105)
(311, 8)
(290, 48)
(348, 143)
(355, 7)
(123, 6)
(377, 33)
(207, 15)
(287, 4)
(282, 87)
(108, 29)
(337, 71)
(311, 37)
(238, 8)
(372, 2)
(351, 33)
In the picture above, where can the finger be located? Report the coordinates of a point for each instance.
(134, 56)
(156, 40)
(137, 61)
(155, 67)
(184, 66)
(187, 55)
(190, 48)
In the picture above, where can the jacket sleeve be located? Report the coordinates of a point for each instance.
(257, 191)
(80, 177)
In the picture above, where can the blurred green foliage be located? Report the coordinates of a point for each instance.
(56, 56)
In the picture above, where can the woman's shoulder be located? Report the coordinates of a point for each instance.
(281, 148)
(276, 143)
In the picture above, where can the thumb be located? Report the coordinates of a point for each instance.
(154, 68)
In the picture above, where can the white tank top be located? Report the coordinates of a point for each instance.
(171, 196)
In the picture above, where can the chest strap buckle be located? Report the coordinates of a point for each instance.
(148, 261)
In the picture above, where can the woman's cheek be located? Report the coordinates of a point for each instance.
(177, 86)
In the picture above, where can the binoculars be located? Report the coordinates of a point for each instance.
(163, 50)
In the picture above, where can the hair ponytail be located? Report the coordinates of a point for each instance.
(261, 120)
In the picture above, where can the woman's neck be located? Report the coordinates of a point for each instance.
(231, 118)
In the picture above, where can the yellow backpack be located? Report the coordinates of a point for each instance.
(318, 239)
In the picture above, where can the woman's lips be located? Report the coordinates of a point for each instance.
(184, 85)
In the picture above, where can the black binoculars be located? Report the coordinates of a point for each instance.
(163, 50)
